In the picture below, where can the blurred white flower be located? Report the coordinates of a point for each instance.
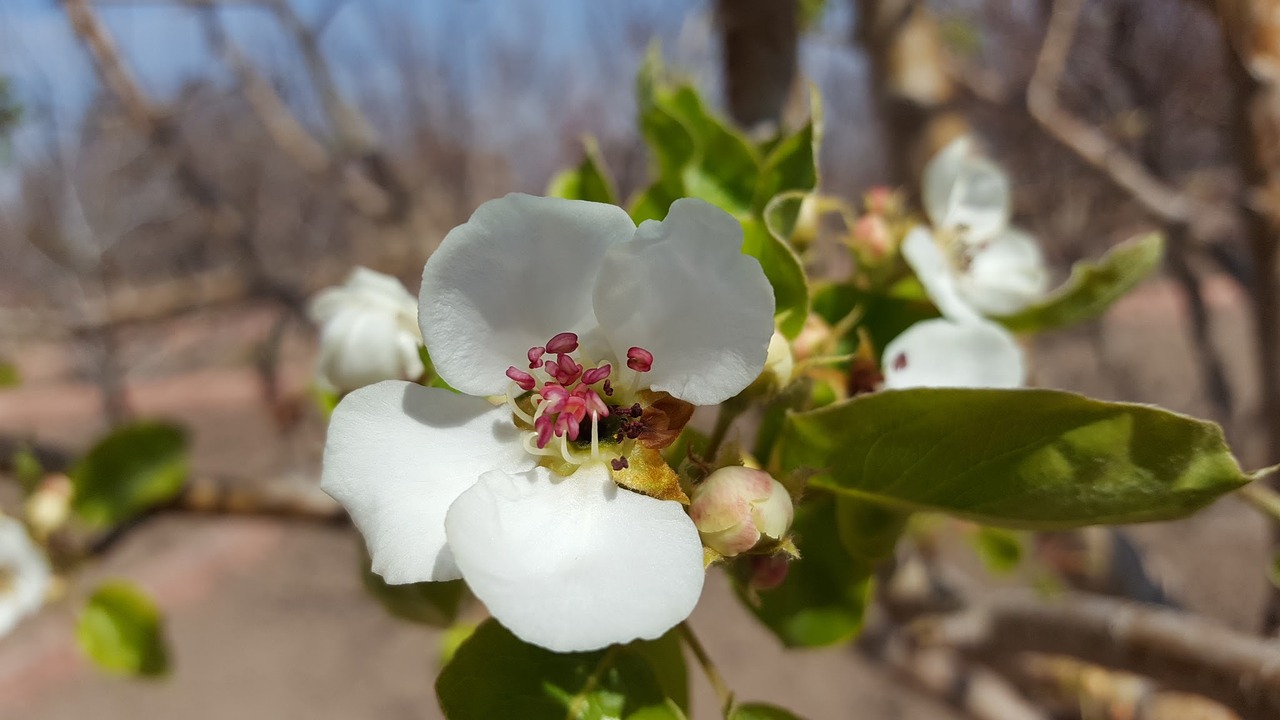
(368, 332)
(736, 508)
(959, 349)
(998, 269)
(24, 575)
(581, 321)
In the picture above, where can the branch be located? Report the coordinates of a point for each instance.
(1168, 204)
(1180, 651)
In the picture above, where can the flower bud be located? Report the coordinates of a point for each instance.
(870, 235)
(807, 223)
(49, 506)
(368, 332)
(768, 571)
(814, 339)
(778, 363)
(736, 508)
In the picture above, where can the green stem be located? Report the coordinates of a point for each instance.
(729, 411)
(708, 668)
(1262, 498)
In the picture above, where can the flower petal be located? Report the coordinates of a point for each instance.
(1005, 274)
(962, 190)
(576, 563)
(520, 271)
(683, 290)
(398, 454)
(924, 256)
(943, 353)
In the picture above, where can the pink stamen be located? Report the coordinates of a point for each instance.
(595, 375)
(565, 342)
(639, 359)
(521, 378)
(900, 362)
(545, 427)
(564, 370)
(535, 357)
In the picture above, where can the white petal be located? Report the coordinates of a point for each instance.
(517, 273)
(27, 572)
(963, 190)
(942, 353)
(1005, 274)
(576, 563)
(359, 348)
(683, 290)
(398, 454)
(935, 273)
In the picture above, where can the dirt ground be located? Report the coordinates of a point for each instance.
(268, 620)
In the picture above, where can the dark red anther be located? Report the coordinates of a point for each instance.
(619, 464)
(900, 362)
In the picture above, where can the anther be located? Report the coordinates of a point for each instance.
(521, 378)
(535, 357)
(565, 342)
(608, 388)
(639, 359)
(619, 464)
(900, 362)
(595, 375)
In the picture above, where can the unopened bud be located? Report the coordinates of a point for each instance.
(768, 571)
(814, 339)
(49, 506)
(880, 200)
(778, 363)
(737, 508)
(871, 236)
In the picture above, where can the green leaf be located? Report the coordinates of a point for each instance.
(769, 243)
(666, 658)
(792, 164)
(1035, 459)
(430, 603)
(123, 632)
(724, 165)
(869, 531)
(27, 468)
(670, 142)
(1000, 550)
(497, 676)
(760, 711)
(589, 181)
(1092, 287)
(9, 376)
(133, 469)
(653, 202)
(825, 595)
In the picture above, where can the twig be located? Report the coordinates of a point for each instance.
(1180, 651)
(708, 667)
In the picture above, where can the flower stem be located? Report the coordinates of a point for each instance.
(708, 668)
(729, 411)
(1262, 498)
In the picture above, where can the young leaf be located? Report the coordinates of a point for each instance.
(1092, 287)
(1035, 459)
(134, 468)
(430, 603)
(724, 166)
(792, 164)
(122, 631)
(1000, 550)
(760, 711)
(496, 676)
(589, 181)
(9, 376)
(769, 244)
(825, 594)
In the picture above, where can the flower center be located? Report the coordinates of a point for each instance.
(562, 401)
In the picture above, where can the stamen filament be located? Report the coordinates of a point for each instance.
(595, 436)
(515, 409)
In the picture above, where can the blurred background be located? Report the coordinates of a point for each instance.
(177, 178)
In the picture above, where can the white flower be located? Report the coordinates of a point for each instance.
(368, 332)
(582, 321)
(736, 508)
(998, 269)
(959, 349)
(24, 575)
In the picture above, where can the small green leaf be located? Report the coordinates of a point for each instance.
(768, 243)
(429, 603)
(653, 202)
(497, 676)
(122, 631)
(666, 658)
(9, 376)
(27, 468)
(1092, 287)
(724, 165)
(760, 711)
(589, 181)
(453, 637)
(869, 531)
(1034, 459)
(1000, 550)
(792, 164)
(825, 595)
(133, 469)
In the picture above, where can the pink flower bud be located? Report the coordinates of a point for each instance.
(768, 571)
(736, 508)
(871, 234)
